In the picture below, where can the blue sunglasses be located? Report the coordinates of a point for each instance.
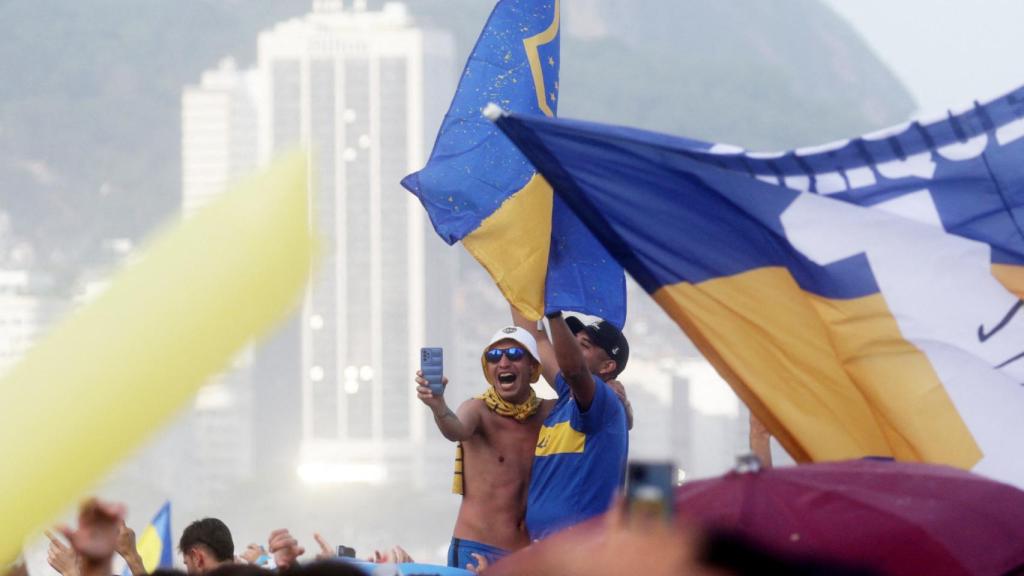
(514, 354)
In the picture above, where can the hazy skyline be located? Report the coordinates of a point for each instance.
(946, 52)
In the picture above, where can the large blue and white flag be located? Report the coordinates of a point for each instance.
(863, 298)
(478, 189)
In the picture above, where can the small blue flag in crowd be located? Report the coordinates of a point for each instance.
(863, 298)
(154, 544)
(479, 189)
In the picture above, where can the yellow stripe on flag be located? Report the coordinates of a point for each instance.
(118, 368)
(807, 365)
(1010, 276)
(513, 245)
(150, 546)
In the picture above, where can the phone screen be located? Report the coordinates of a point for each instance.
(346, 552)
(650, 489)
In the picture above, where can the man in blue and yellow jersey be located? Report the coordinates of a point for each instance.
(580, 459)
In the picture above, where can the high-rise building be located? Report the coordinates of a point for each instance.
(218, 133)
(348, 85)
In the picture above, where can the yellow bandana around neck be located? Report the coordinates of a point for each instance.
(502, 407)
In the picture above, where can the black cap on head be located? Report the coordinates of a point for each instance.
(607, 337)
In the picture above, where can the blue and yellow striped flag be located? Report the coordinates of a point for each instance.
(862, 297)
(155, 545)
(479, 189)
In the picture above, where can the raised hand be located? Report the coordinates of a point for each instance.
(252, 553)
(426, 396)
(126, 547)
(99, 523)
(326, 550)
(620, 391)
(285, 548)
(61, 557)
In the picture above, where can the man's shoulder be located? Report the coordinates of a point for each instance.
(546, 406)
(474, 403)
(606, 410)
(474, 408)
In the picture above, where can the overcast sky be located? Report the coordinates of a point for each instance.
(947, 52)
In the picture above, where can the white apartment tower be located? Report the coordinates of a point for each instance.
(347, 84)
(218, 133)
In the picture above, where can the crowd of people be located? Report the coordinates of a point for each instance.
(526, 468)
(620, 543)
(206, 547)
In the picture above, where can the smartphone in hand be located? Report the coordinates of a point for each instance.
(346, 552)
(432, 367)
(650, 489)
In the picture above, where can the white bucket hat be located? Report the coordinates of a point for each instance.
(519, 336)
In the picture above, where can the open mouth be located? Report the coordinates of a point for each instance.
(506, 378)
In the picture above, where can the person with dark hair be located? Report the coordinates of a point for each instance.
(205, 545)
(580, 459)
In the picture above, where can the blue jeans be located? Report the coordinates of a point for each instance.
(459, 553)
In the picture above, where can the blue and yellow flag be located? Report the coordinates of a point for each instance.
(863, 297)
(154, 544)
(477, 188)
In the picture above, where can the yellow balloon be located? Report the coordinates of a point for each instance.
(121, 366)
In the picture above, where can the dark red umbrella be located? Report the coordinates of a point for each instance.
(898, 518)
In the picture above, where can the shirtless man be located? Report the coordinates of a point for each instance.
(497, 433)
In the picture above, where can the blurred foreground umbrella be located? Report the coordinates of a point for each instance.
(615, 545)
(898, 518)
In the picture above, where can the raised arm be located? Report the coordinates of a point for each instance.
(95, 539)
(454, 427)
(760, 441)
(126, 547)
(549, 364)
(571, 362)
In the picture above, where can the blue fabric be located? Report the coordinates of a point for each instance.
(406, 569)
(460, 553)
(567, 488)
(915, 235)
(705, 214)
(473, 169)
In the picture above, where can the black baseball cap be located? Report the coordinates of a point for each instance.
(606, 336)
